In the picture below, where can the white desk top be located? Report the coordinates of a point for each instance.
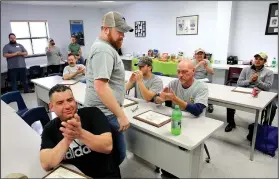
(223, 93)
(194, 130)
(226, 67)
(5, 108)
(20, 148)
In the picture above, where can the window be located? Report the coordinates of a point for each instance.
(33, 35)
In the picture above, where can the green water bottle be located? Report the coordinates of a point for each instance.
(274, 62)
(176, 121)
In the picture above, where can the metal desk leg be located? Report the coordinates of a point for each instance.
(254, 135)
(269, 107)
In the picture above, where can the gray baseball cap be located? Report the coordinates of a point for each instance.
(115, 19)
(144, 61)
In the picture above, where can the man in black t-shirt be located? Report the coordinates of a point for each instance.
(79, 137)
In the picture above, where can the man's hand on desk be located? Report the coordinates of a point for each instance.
(167, 95)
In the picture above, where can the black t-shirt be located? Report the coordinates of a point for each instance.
(91, 163)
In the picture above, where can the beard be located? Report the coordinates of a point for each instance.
(12, 42)
(117, 44)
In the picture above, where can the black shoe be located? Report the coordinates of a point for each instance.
(229, 127)
(157, 169)
(29, 91)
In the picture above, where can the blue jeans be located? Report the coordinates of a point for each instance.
(119, 137)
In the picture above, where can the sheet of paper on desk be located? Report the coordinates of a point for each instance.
(154, 117)
(128, 102)
(243, 90)
(64, 173)
(68, 82)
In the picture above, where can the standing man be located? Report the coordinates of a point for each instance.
(105, 76)
(54, 57)
(74, 48)
(146, 84)
(254, 76)
(15, 54)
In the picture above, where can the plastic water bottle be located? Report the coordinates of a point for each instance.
(176, 121)
(273, 63)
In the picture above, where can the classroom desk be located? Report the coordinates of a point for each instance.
(5, 108)
(226, 67)
(20, 147)
(220, 95)
(145, 141)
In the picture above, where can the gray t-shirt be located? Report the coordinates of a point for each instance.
(196, 93)
(69, 70)
(154, 84)
(104, 63)
(201, 72)
(16, 61)
(53, 56)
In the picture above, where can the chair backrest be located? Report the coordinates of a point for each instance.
(14, 96)
(234, 72)
(84, 62)
(35, 70)
(36, 114)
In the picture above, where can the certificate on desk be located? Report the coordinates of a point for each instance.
(68, 82)
(128, 102)
(64, 172)
(153, 118)
(243, 90)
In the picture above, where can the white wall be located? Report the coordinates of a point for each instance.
(58, 23)
(248, 36)
(160, 20)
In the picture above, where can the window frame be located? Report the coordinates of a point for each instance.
(31, 38)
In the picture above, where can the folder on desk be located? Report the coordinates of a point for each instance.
(64, 172)
(153, 118)
(243, 90)
(128, 102)
(68, 82)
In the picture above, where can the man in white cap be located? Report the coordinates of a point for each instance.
(202, 69)
(54, 57)
(254, 76)
(105, 76)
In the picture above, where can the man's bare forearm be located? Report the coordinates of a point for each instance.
(50, 158)
(98, 143)
(147, 95)
(106, 96)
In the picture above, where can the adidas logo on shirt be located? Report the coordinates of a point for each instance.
(77, 149)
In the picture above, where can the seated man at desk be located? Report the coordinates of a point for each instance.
(190, 94)
(74, 71)
(202, 68)
(81, 137)
(146, 84)
(254, 76)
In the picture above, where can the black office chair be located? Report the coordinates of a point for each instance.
(35, 72)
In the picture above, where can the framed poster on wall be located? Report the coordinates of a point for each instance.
(187, 25)
(272, 20)
(140, 28)
(76, 27)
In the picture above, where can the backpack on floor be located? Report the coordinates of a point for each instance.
(267, 138)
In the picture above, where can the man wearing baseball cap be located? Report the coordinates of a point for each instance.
(54, 57)
(255, 76)
(146, 84)
(202, 69)
(105, 76)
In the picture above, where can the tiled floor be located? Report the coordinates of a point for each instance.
(229, 152)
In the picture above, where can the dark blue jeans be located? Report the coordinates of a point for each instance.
(16, 73)
(119, 137)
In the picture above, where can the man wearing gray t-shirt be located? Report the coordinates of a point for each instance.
(190, 94)
(105, 76)
(15, 54)
(54, 57)
(146, 84)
